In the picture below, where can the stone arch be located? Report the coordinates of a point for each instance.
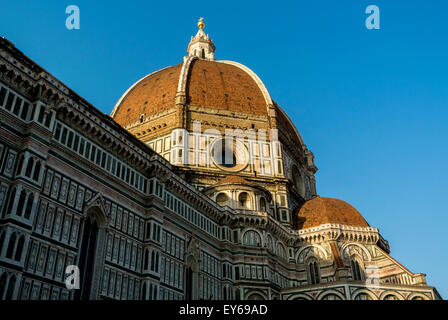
(311, 250)
(248, 199)
(255, 295)
(8, 285)
(325, 293)
(90, 259)
(390, 293)
(95, 209)
(349, 249)
(357, 267)
(300, 296)
(416, 295)
(14, 244)
(364, 291)
(313, 272)
(281, 245)
(254, 230)
(222, 198)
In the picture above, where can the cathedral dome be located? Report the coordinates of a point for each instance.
(220, 85)
(319, 210)
(150, 95)
(167, 108)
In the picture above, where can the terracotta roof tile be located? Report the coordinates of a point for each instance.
(151, 95)
(318, 211)
(210, 84)
(224, 86)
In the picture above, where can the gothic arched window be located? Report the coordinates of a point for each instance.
(10, 290)
(144, 291)
(11, 245)
(281, 252)
(19, 166)
(19, 248)
(3, 280)
(313, 272)
(11, 200)
(153, 261)
(6, 293)
(252, 238)
(154, 292)
(157, 262)
(36, 171)
(29, 206)
(21, 203)
(29, 167)
(87, 258)
(2, 240)
(356, 270)
(146, 258)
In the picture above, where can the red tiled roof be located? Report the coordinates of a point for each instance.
(224, 86)
(151, 95)
(319, 210)
(210, 84)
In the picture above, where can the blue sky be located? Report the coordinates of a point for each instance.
(371, 104)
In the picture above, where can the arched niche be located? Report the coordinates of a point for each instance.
(91, 249)
(192, 263)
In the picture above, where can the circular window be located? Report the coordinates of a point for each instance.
(229, 154)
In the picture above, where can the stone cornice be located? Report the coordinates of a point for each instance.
(339, 232)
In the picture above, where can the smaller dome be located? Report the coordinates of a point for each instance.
(319, 210)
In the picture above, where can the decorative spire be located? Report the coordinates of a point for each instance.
(201, 45)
